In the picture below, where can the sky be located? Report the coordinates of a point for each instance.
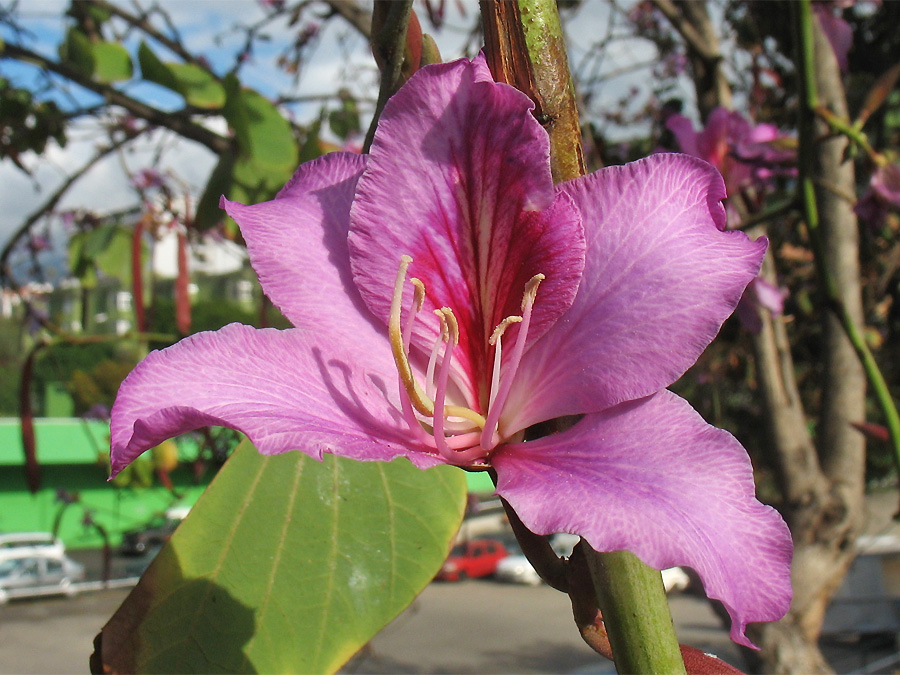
(208, 27)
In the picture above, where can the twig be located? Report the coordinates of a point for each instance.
(388, 43)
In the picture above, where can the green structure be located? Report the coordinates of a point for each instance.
(75, 497)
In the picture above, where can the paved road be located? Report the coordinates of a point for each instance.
(468, 627)
(473, 627)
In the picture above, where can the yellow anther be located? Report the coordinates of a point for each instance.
(418, 292)
(417, 397)
(445, 331)
(452, 325)
(501, 328)
(531, 290)
(465, 413)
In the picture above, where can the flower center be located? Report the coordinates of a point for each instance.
(461, 435)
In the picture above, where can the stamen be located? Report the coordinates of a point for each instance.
(405, 405)
(452, 326)
(531, 291)
(429, 372)
(505, 383)
(432, 360)
(418, 293)
(416, 396)
(418, 301)
(498, 353)
(501, 328)
(449, 321)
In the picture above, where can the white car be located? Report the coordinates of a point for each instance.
(19, 544)
(33, 575)
(517, 569)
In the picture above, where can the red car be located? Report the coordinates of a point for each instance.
(476, 558)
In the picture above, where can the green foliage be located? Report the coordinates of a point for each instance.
(266, 158)
(26, 124)
(91, 371)
(105, 62)
(198, 86)
(12, 357)
(209, 314)
(105, 249)
(344, 121)
(287, 564)
(99, 384)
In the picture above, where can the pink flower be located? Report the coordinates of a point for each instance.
(838, 31)
(148, 178)
(882, 196)
(744, 154)
(531, 302)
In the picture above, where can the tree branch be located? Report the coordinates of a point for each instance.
(690, 19)
(52, 201)
(354, 14)
(141, 23)
(177, 121)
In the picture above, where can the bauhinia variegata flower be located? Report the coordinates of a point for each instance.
(447, 298)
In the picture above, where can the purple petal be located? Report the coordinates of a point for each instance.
(298, 241)
(660, 278)
(459, 179)
(838, 32)
(286, 390)
(712, 143)
(768, 295)
(885, 183)
(653, 478)
(685, 135)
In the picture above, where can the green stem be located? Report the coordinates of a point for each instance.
(852, 132)
(388, 42)
(629, 594)
(806, 63)
(635, 611)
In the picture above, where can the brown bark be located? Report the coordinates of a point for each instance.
(543, 77)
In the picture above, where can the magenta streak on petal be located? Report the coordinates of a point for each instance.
(457, 167)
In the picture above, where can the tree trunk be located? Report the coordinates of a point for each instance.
(822, 482)
(826, 520)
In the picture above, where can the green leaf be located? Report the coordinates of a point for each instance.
(286, 564)
(106, 249)
(112, 63)
(208, 212)
(262, 132)
(267, 152)
(198, 87)
(345, 120)
(76, 51)
(115, 258)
